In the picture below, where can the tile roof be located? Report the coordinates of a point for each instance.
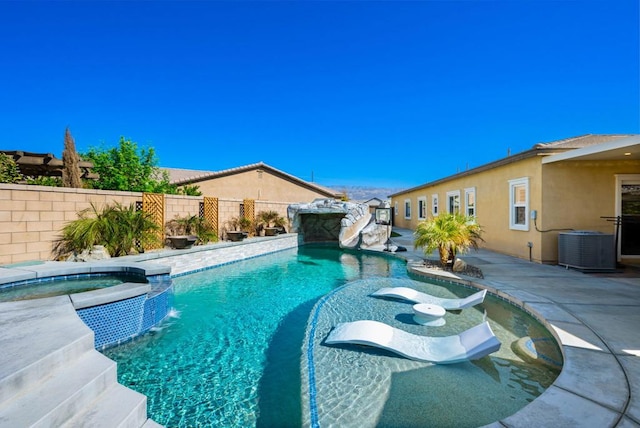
(581, 141)
(550, 148)
(189, 176)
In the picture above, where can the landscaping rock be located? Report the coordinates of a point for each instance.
(98, 252)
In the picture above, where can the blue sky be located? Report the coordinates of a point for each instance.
(381, 93)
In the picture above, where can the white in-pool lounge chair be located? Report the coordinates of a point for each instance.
(415, 296)
(471, 344)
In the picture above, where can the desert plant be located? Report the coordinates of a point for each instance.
(450, 234)
(9, 171)
(240, 224)
(120, 229)
(192, 225)
(270, 219)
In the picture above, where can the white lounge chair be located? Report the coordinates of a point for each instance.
(415, 296)
(471, 344)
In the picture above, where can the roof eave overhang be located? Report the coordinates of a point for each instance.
(254, 167)
(609, 151)
(500, 162)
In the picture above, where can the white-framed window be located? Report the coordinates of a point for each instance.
(519, 204)
(470, 202)
(395, 208)
(407, 208)
(434, 205)
(453, 202)
(422, 207)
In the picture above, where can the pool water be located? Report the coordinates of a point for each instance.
(59, 287)
(358, 386)
(231, 355)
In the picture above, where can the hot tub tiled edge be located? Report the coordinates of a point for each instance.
(115, 314)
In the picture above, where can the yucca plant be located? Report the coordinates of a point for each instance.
(450, 234)
(121, 230)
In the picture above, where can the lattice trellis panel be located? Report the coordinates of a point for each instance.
(211, 212)
(249, 208)
(153, 204)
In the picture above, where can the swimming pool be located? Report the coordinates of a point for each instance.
(231, 355)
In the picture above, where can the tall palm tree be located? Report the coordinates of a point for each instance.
(450, 234)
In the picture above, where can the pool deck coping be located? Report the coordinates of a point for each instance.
(599, 385)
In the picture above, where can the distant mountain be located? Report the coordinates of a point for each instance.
(364, 193)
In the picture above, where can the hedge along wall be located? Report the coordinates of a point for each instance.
(32, 217)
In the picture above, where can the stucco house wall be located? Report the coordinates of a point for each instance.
(260, 184)
(577, 194)
(492, 205)
(572, 190)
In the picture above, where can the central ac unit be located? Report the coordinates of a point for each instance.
(586, 250)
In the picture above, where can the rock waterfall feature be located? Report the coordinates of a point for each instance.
(350, 224)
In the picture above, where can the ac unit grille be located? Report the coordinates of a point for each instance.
(586, 250)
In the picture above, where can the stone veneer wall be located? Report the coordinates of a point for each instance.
(31, 217)
(206, 256)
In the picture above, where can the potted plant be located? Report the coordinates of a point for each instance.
(239, 228)
(271, 222)
(183, 232)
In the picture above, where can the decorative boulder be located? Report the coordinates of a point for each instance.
(459, 265)
(98, 252)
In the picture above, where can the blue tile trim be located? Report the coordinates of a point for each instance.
(117, 322)
(114, 322)
(313, 405)
(65, 277)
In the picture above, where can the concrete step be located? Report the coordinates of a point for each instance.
(61, 394)
(117, 407)
(38, 337)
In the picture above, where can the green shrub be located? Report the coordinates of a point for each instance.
(9, 171)
(121, 230)
(43, 180)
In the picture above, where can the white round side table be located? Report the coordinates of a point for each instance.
(429, 314)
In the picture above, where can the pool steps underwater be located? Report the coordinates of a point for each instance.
(63, 381)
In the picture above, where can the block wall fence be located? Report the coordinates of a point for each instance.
(32, 217)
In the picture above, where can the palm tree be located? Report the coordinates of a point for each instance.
(450, 234)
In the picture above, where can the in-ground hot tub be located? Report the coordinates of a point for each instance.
(117, 301)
